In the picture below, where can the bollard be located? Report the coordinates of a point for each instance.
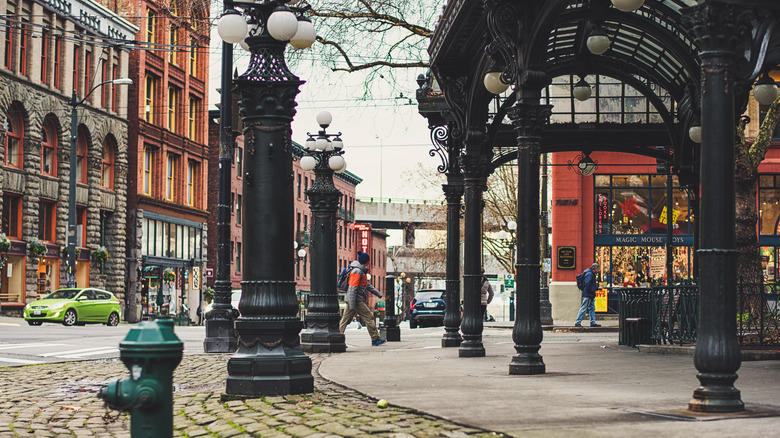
(151, 351)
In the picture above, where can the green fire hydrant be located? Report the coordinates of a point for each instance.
(151, 351)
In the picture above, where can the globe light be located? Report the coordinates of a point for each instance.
(343, 169)
(310, 144)
(581, 90)
(338, 144)
(305, 36)
(493, 82)
(301, 253)
(337, 162)
(308, 163)
(628, 5)
(765, 90)
(695, 133)
(598, 42)
(324, 118)
(232, 27)
(511, 225)
(586, 166)
(282, 25)
(322, 143)
(502, 235)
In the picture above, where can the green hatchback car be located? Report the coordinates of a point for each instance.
(75, 306)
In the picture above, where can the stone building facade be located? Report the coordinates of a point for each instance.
(50, 52)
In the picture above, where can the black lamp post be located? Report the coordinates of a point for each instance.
(220, 320)
(269, 360)
(324, 156)
(74, 102)
(510, 239)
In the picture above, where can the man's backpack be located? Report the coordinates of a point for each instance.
(342, 281)
(581, 280)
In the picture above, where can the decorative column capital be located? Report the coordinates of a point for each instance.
(718, 27)
(476, 168)
(529, 119)
(453, 192)
(323, 194)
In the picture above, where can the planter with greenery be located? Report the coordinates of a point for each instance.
(100, 255)
(37, 248)
(5, 243)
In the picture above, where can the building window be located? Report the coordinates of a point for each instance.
(48, 149)
(46, 221)
(174, 41)
(238, 211)
(76, 64)
(299, 186)
(81, 226)
(12, 216)
(151, 23)
(81, 156)
(87, 70)
(173, 102)
(57, 58)
(104, 91)
(192, 180)
(14, 132)
(239, 163)
(44, 52)
(192, 118)
(170, 177)
(193, 55)
(9, 37)
(147, 177)
(114, 88)
(107, 170)
(238, 256)
(24, 42)
(149, 99)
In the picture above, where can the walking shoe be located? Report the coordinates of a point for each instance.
(377, 342)
(595, 325)
(577, 325)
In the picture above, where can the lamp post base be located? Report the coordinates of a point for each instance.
(527, 361)
(269, 360)
(220, 334)
(451, 339)
(717, 394)
(326, 339)
(471, 348)
(391, 334)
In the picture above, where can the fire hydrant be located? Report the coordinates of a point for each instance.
(151, 351)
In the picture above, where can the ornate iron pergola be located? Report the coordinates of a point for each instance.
(693, 63)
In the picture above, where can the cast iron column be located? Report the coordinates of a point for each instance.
(220, 331)
(392, 331)
(453, 191)
(322, 334)
(529, 119)
(269, 359)
(476, 168)
(718, 29)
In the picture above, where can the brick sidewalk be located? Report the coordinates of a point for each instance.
(60, 399)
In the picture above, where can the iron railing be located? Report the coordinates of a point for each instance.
(757, 314)
(672, 313)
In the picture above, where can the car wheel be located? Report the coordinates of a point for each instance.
(70, 318)
(113, 319)
(412, 324)
(35, 322)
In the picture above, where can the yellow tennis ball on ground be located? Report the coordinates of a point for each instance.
(381, 404)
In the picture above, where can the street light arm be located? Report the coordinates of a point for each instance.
(74, 102)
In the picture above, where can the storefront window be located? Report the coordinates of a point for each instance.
(769, 204)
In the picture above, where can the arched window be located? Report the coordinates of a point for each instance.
(81, 157)
(107, 174)
(14, 132)
(49, 148)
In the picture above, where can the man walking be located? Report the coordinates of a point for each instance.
(588, 295)
(356, 298)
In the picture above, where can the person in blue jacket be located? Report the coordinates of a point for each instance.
(588, 296)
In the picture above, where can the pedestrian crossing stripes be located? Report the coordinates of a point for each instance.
(23, 349)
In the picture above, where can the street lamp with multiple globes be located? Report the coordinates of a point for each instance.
(269, 360)
(510, 239)
(323, 157)
(74, 102)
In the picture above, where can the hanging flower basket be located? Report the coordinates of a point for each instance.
(65, 253)
(37, 248)
(169, 276)
(5, 243)
(100, 255)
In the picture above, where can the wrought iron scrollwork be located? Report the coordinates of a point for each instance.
(439, 137)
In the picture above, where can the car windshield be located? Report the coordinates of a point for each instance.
(64, 294)
(428, 295)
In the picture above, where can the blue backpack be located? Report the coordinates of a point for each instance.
(342, 281)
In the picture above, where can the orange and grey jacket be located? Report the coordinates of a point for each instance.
(358, 284)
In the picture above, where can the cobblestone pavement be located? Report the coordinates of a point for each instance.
(60, 399)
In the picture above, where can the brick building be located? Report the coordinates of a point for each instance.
(167, 158)
(50, 52)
